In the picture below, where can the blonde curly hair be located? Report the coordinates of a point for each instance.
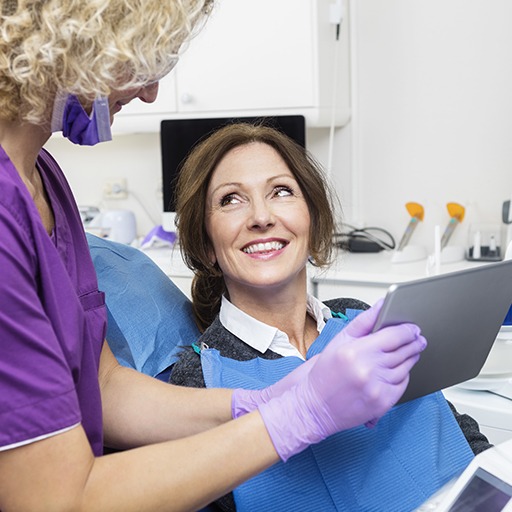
(86, 48)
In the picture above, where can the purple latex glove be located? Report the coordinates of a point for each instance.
(357, 378)
(244, 401)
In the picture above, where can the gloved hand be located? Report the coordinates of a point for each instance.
(357, 378)
(244, 401)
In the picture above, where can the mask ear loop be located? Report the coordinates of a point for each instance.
(101, 109)
(59, 104)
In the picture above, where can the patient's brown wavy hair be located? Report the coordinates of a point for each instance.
(191, 199)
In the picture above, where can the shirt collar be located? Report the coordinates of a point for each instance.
(253, 332)
(261, 336)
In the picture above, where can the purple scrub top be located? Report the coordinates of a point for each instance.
(52, 316)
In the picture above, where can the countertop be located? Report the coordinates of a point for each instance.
(378, 268)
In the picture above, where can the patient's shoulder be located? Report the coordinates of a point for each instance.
(187, 370)
(341, 304)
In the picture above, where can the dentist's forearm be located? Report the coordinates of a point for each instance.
(186, 474)
(140, 410)
(61, 473)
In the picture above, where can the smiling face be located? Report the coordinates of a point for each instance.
(258, 221)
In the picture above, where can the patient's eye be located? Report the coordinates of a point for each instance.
(283, 191)
(229, 199)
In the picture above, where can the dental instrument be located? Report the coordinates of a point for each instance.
(416, 211)
(456, 212)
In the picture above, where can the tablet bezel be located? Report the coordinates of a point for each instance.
(459, 313)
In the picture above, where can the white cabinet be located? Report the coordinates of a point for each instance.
(255, 57)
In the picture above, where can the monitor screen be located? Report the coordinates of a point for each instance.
(178, 137)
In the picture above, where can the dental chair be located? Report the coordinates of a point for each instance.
(149, 317)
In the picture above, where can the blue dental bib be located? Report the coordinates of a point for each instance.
(415, 449)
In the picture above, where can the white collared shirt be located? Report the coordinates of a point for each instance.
(261, 336)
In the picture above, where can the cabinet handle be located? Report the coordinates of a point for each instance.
(186, 98)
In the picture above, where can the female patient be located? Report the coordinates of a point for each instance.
(253, 208)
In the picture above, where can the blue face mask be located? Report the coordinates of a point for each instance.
(80, 128)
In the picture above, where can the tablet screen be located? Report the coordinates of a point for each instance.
(484, 492)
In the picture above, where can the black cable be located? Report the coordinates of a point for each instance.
(367, 239)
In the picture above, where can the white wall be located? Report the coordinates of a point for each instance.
(134, 157)
(433, 122)
(435, 110)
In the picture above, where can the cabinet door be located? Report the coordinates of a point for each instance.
(253, 57)
(252, 54)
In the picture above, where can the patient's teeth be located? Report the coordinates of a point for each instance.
(264, 247)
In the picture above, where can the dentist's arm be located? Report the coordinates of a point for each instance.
(140, 410)
(60, 473)
(357, 378)
(370, 370)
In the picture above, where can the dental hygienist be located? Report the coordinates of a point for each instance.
(70, 65)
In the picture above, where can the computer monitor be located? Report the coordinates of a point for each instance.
(178, 137)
